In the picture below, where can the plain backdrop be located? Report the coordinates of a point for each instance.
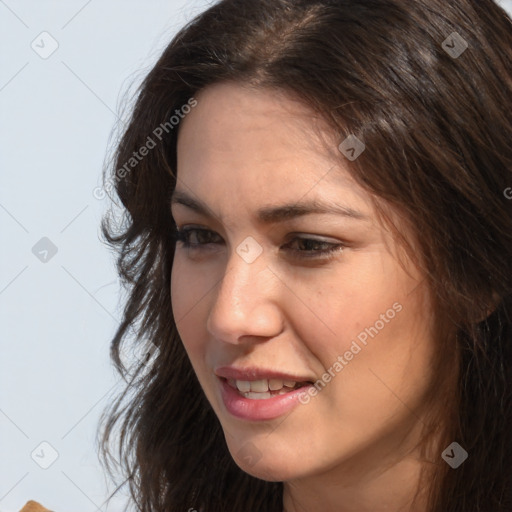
(65, 67)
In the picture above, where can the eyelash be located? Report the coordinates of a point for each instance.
(182, 235)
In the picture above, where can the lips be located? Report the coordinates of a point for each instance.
(259, 393)
(257, 373)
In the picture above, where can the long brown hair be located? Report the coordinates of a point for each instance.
(434, 111)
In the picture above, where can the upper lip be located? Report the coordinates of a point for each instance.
(255, 373)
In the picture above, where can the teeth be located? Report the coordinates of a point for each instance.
(275, 384)
(258, 396)
(259, 389)
(243, 385)
(259, 386)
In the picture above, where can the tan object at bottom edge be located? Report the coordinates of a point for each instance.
(33, 506)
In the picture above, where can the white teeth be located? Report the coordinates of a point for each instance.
(259, 386)
(263, 388)
(243, 385)
(275, 384)
(258, 396)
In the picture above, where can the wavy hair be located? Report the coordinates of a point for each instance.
(437, 130)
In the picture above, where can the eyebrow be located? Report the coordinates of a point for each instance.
(275, 214)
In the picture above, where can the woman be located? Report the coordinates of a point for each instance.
(319, 242)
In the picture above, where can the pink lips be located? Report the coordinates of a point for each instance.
(254, 373)
(254, 409)
(258, 410)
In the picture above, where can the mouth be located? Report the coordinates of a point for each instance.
(260, 394)
(263, 389)
(257, 400)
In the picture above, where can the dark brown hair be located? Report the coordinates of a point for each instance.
(437, 130)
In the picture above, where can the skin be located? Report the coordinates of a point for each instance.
(352, 447)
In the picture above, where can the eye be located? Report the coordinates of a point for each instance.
(184, 236)
(311, 247)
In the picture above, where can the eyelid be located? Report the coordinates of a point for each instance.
(181, 233)
(289, 237)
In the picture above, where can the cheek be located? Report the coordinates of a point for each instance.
(181, 294)
(387, 368)
(350, 305)
(187, 290)
(371, 333)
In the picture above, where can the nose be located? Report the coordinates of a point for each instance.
(246, 302)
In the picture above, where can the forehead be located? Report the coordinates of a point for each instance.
(236, 119)
(263, 146)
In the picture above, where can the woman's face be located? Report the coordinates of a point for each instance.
(260, 303)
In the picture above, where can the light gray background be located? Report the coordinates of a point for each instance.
(57, 317)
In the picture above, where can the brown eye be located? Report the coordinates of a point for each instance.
(309, 248)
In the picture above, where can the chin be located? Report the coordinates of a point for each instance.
(270, 472)
(267, 464)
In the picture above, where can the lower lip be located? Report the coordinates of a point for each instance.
(259, 410)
